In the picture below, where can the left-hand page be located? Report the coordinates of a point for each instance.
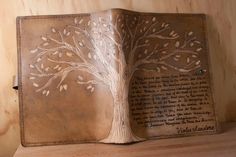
(62, 81)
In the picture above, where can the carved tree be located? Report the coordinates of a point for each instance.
(110, 50)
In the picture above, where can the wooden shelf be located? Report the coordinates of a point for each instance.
(223, 144)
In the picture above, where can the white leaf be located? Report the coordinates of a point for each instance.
(176, 59)
(35, 84)
(77, 32)
(172, 32)
(198, 62)
(75, 20)
(194, 56)
(39, 59)
(146, 22)
(32, 78)
(64, 31)
(163, 52)
(57, 66)
(54, 53)
(89, 23)
(89, 55)
(69, 54)
(191, 44)
(92, 89)
(81, 44)
(65, 86)
(177, 44)
(153, 30)
(45, 44)
(154, 19)
(80, 21)
(94, 24)
(88, 87)
(31, 66)
(198, 42)
(166, 25)
(199, 49)
(188, 60)
(80, 78)
(146, 51)
(163, 25)
(68, 33)
(47, 93)
(178, 56)
(61, 88)
(44, 38)
(163, 67)
(34, 50)
(53, 30)
(174, 35)
(44, 92)
(190, 33)
(46, 69)
(146, 41)
(166, 44)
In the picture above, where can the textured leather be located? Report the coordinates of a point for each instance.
(63, 100)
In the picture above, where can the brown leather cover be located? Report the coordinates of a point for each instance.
(89, 77)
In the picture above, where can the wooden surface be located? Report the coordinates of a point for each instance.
(219, 145)
(222, 39)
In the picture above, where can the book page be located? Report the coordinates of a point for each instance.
(170, 91)
(66, 79)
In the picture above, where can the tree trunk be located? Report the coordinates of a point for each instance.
(120, 130)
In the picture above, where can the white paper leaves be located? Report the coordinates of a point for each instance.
(190, 33)
(80, 78)
(153, 19)
(90, 88)
(31, 66)
(89, 55)
(146, 51)
(81, 44)
(46, 92)
(35, 84)
(34, 50)
(198, 49)
(177, 44)
(198, 62)
(63, 87)
(166, 44)
(53, 30)
(44, 38)
(69, 54)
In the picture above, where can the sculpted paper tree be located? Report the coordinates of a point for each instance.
(110, 50)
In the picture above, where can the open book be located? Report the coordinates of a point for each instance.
(114, 76)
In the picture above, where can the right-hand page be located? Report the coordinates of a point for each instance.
(170, 91)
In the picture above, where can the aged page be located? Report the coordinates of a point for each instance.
(69, 71)
(170, 90)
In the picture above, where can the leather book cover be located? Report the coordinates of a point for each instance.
(114, 76)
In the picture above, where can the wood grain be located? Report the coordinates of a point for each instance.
(222, 41)
(205, 146)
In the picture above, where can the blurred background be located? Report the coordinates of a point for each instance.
(221, 35)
